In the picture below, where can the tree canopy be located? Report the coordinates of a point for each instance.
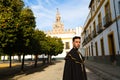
(18, 34)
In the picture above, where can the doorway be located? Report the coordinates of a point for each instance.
(111, 45)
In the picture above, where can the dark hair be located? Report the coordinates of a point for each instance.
(76, 37)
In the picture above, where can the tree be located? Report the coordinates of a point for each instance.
(55, 47)
(45, 47)
(59, 46)
(1, 51)
(9, 13)
(36, 44)
(28, 24)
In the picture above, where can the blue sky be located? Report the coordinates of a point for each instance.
(73, 12)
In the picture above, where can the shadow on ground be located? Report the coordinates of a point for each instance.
(10, 73)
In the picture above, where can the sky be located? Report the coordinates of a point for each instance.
(73, 12)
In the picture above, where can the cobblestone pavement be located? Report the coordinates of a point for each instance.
(53, 72)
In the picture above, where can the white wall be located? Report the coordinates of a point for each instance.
(107, 31)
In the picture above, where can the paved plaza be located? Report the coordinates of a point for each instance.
(52, 72)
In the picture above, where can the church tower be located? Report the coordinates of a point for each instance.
(66, 35)
(58, 27)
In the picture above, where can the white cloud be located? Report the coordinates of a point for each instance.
(73, 12)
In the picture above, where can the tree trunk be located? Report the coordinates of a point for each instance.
(10, 65)
(43, 59)
(31, 57)
(13, 58)
(22, 66)
(4, 58)
(19, 57)
(49, 58)
(0, 56)
(36, 59)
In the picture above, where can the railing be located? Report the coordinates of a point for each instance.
(87, 39)
(84, 42)
(94, 34)
(99, 28)
(107, 20)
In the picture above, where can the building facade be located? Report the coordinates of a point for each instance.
(101, 33)
(65, 34)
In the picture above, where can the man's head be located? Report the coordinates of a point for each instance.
(76, 42)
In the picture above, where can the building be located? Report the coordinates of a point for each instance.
(101, 33)
(65, 34)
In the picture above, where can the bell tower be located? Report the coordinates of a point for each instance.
(58, 26)
(58, 17)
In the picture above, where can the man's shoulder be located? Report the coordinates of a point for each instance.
(72, 50)
(70, 53)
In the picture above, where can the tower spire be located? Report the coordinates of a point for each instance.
(58, 27)
(58, 18)
(58, 11)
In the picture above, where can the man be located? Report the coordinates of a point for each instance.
(74, 63)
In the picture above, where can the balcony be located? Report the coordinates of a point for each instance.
(87, 39)
(99, 28)
(84, 42)
(107, 20)
(94, 34)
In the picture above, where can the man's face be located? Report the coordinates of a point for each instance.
(76, 43)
